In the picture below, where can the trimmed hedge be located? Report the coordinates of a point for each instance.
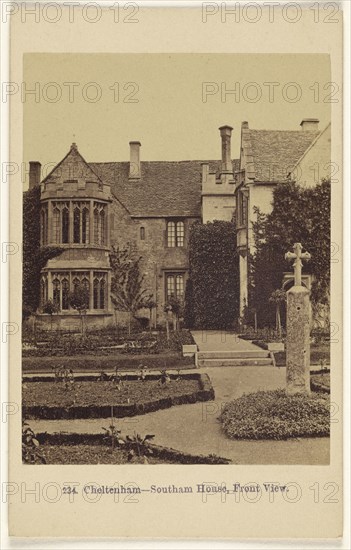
(276, 415)
(205, 393)
(212, 297)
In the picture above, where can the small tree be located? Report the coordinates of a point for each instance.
(51, 307)
(127, 292)
(79, 300)
(278, 297)
(150, 304)
(175, 307)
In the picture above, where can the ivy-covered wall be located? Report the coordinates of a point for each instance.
(34, 256)
(212, 294)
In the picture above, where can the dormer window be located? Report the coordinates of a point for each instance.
(175, 233)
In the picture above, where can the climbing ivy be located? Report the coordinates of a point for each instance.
(212, 297)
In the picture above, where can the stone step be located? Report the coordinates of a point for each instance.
(254, 354)
(230, 362)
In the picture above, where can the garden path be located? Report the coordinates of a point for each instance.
(216, 340)
(195, 428)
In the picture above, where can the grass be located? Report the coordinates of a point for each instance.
(275, 415)
(98, 393)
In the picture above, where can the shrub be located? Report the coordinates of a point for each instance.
(291, 220)
(276, 415)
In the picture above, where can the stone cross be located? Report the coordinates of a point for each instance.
(298, 328)
(298, 256)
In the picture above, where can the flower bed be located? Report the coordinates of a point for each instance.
(275, 415)
(170, 360)
(107, 343)
(93, 449)
(87, 397)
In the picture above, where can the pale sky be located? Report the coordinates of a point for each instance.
(171, 119)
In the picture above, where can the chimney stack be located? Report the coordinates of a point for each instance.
(134, 164)
(309, 125)
(226, 134)
(34, 174)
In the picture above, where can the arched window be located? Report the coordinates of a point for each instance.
(142, 233)
(175, 286)
(65, 293)
(76, 225)
(102, 294)
(43, 290)
(99, 290)
(99, 224)
(56, 225)
(85, 225)
(80, 223)
(57, 292)
(65, 224)
(96, 293)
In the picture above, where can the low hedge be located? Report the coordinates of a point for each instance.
(164, 453)
(204, 393)
(276, 415)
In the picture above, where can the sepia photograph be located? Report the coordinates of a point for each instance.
(177, 256)
(174, 183)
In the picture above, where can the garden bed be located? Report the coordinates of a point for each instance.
(93, 449)
(319, 353)
(87, 397)
(321, 382)
(107, 343)
(276, 415)
(167, 360)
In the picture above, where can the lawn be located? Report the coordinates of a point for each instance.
(101, 393)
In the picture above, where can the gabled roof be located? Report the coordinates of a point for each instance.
(275, 152)
(72, 166)
(165, 189)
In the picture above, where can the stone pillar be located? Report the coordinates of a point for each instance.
(298, 341)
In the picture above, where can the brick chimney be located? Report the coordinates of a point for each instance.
(34, 173)
(134, 164)
(226, 134)
(309, 125)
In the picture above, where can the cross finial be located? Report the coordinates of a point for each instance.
(297, 255)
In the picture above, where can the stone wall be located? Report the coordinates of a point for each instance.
(157, 258)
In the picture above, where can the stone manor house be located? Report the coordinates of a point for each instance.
(86, 207)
